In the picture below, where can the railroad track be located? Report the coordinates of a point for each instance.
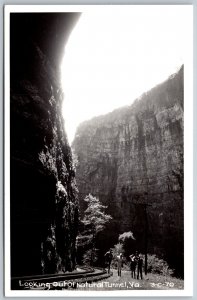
(59, 281)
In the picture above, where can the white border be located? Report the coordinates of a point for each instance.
(188, 162)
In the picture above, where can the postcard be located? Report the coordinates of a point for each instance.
(98, 150)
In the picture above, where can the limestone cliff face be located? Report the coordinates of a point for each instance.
(44, 210)
(134, 155)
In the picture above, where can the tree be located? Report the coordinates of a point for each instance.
(94, 221)
(118, 248)
(128, 241)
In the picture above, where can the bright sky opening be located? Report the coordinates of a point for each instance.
(115, 55)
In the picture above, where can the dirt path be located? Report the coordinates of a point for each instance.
(125, 282)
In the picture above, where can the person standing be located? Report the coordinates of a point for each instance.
(119, 263)
(133, 265)
(108, 259)
(139, 266)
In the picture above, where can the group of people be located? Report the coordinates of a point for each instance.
(136, 263)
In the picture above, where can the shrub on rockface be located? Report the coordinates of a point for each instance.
(60, 256)
(158, 265)
(90, 257)
(47, 158)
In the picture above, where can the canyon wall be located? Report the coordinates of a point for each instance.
(134, 156)
(44, 208)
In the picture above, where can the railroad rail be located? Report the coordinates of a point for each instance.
(68, 280)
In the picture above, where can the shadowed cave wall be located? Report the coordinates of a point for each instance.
(44, 210)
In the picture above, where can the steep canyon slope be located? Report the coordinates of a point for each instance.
(44, 209)
(134, 156)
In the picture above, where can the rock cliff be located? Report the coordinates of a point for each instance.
(44, 209)
(134, 156)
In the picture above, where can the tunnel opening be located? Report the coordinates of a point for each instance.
(42, 176)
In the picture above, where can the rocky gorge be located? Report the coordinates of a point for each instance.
(132, 160)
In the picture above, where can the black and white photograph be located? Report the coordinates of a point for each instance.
(98, 150)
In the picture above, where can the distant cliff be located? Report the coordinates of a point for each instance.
(134, 155)
(44, 209)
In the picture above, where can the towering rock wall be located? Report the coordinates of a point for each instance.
(44, 210)
(132, 156)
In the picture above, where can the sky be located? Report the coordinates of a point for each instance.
(115, 55)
